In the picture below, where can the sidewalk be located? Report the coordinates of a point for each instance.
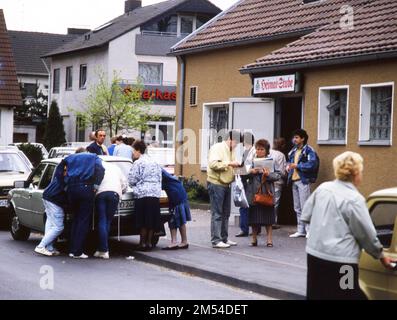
(278, 272)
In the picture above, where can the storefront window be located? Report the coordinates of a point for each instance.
(160, 134)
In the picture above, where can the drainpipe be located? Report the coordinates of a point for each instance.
(49, 86)
(181, 111)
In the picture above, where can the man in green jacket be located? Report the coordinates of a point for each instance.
(221, 161)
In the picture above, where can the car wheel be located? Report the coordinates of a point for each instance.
(18, 231)
(155, 240)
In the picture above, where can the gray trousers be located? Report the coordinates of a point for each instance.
(300, 192)
(220, 198)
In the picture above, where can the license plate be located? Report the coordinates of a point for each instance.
(127, 204)
(3, 203)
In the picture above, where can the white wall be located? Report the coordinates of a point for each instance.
(75, 98)
(6, 125)
(123, 59)
(29, 130)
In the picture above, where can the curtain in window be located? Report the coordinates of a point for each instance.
(380, 123)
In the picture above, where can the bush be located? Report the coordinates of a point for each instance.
(54, 133)
(195, 190)
(33, 153)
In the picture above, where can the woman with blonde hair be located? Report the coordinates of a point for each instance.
(340, 227)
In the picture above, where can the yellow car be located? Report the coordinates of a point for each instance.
(375, 280)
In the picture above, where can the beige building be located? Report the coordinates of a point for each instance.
(321, 70)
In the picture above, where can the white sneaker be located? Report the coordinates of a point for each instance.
(83, 256)
(307, 235)
(221, 245)
(102, 255)
(231, 243)
(43, 251)
(297, 235)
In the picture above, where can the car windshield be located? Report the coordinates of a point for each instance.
(124, 166)
(12, 162)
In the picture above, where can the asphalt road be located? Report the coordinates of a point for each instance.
(25, 275)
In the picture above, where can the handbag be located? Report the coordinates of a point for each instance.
(266, 198)
(239, 197)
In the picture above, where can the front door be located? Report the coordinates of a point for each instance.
(254, 115)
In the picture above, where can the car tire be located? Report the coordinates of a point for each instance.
(18, 231)
(155, 240)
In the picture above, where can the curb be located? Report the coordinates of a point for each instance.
(200, 206)
(221, 278)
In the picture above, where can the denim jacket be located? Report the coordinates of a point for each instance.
(308, 164)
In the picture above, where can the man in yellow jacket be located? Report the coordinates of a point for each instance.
(221, 161)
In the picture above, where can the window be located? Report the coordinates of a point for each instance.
(160, 134)
(151, 73)
(193, 96)
(383, 216)
(36, 175)
(83, 76)
(30, 90)
(201, 20)
(333, 109)
(69, 78)
(56, 81)
(215, 126)
(165, 25)
(187, 24)
(80, 130)
(47, 177)
(376, 114)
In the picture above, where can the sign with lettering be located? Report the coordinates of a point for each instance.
(275, 84)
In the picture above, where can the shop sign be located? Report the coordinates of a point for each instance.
(275, 84)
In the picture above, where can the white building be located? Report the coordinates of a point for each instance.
(136, 46)
(33, 73)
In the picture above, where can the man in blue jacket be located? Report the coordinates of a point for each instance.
(97, 146)
(83, 176)
(303, 165)
(54, 199)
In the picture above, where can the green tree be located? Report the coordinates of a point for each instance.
(115, 107)
(54, 133)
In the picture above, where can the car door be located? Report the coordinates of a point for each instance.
(37, 206)
(23, 200)
(377, 281)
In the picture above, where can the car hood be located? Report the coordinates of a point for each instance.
(8, 178)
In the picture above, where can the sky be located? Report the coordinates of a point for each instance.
(55, 16)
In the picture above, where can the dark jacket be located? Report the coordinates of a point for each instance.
(95, 148)
(84, 168)
(173, 187)
(308, 164)
(55, 191)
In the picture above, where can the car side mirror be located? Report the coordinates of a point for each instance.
(393, 245)
(21, 184)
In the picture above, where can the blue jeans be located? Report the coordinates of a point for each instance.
(244, 220)
(53, 226)
(81, 199)
(220, 198)
(106, 207)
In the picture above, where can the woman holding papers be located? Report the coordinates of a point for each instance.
(261, 178)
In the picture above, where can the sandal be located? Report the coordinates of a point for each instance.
(269, 245)
(185, 246)
(171, 248)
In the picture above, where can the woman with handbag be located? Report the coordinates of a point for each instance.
(260, 195)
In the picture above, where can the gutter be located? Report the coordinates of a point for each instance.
(320, 63)
(49, 85)
(181, 114)
(235, 43)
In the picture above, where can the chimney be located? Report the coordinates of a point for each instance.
(130, 5)
(77, 31)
